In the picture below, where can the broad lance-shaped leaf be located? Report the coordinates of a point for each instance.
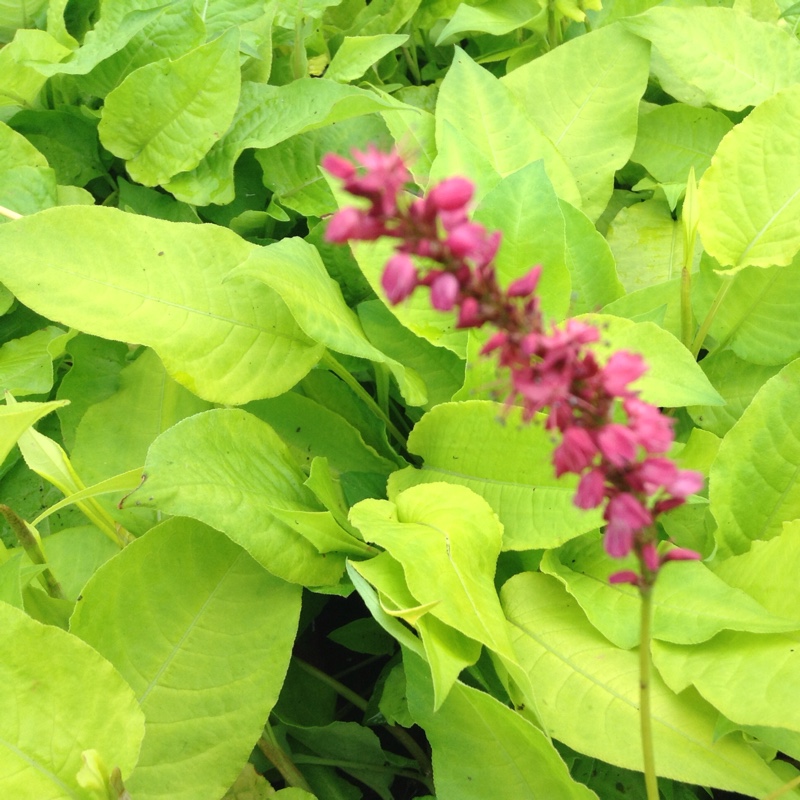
(267, 115)
(750, 195)
(136, 279)
(293, 268)
(690, 603)
(485, 447)
(751, 678)
(452, 533)
(60, 697)
(759, 458)
(482, 748)
(17, 418)
(203, 634)
(758, 318)
(718, 56)
(447, 651)
(164, 117)
(587, 691)
(230, 470)
(584, 96)
(492, 132)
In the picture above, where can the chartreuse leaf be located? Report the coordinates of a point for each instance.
(718, 56)
(203, 634)
(495, 126)
(17, 151)
(26, 364)
(525, 208)
(590, 262)
(254, 494)
(587, 689)
(484, 446)
(674, 138)
(753, 486)
(496, 17)
(22, 81)
(17, 418)
(170, 34)
(673, 377)
(451, 532)
(647, 243)
(294, 270)
(164, 117)
(357, 54)
(750, 195)
(482, 748)
(267, 115)
(60, 697)
(584, 96)
(737, 382)
(447, 650)
(758, 318)
(136, 279)
(753, 679)
(690, 603)
(768, 572)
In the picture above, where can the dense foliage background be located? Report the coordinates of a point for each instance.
(270, 535)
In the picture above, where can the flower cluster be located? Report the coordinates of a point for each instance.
(618, 456)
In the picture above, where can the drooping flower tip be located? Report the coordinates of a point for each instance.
(338, 166)
(469, 315)
(451, 194)
(624, 576)
(526, 285)
(399, 278)
(575, 453)
(495, 341)
(591, 489)
(681, 554)
(622, 369)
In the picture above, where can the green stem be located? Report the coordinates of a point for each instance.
(337, 369)
(401, 735)
(645, 714)
(697, 344)
(358, 766)
(787, 787)
(686, 307)
(553, 28)
(32, 547)
(7, 212)
(278, 757)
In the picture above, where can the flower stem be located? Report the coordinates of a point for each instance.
(727, 282)
(337, 369)
(645, 715)
(280, 759)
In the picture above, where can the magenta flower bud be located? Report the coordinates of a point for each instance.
(622, 368)
(575, 453)
(496, 340)
(650, 556)
(469, 315)
(466, 239)
(444, 291)
(526, 285)
(624, 576)
(338, 166)
(591, 489)
(686, 482)
(399, 278)
(344, 225)
(681, 554)
(451, 194)
(618, 539)
(617, 443)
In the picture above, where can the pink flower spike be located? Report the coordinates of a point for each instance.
(526, 285)
(399, 278)
(338, 166)
(444, 292)
(451, 194)
(344, 225)
(591, 489)
(466, 239)
(681, 554)
(624, 576)
(496, 340)
(618, 540)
